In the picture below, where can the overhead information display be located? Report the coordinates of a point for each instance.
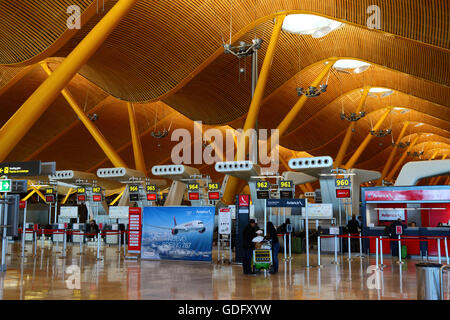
(213, 186)
(150, 188)
(133, 188)
(192, 186)
(342, 182)
(17, 169)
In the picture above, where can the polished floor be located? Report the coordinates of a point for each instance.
(50, 276)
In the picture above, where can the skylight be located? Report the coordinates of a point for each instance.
(310, 24)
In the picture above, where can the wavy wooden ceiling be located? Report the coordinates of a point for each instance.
(410, 55)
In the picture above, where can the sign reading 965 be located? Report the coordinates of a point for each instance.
(342, 182)
(262, 185)
(192, 187)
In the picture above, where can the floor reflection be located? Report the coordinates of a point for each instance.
(45, 276)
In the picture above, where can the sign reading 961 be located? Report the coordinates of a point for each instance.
(342, 182)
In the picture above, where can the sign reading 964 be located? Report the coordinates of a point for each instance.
(262, 185)
(342, 182)
(192, 186)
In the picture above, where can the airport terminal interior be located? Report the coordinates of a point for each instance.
(224, 150)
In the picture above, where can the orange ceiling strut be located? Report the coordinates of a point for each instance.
(137, 146)
(19, 124)
(107, 148)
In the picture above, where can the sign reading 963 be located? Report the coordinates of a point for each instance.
(262, 185)
(213, 186)
(342, 182)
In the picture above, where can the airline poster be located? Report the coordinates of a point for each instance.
(178, 233)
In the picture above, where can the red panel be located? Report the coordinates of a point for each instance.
(407, 195)
(213, 195)
(244, 200)
(134, 229)
(193, 196)
(342, 193)
(97, 198)
(433, 217)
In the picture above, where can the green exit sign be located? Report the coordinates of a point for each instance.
(5, 185)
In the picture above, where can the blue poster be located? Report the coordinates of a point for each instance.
(177, 233)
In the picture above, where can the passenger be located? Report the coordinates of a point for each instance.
(283, 227)
(393, 235)
(92, 229)
(272, 235)
(440, 224)
(248, 245)
(353, 227)
(413, 224)
(360, 222)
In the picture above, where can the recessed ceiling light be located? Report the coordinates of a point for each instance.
(310, 24)
(419, 124)
(356, 66)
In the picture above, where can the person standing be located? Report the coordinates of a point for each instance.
(353, 228)
(272, 235)
(394, 235)
(248, 245)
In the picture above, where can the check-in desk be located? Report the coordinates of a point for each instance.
(29, 235)
(76, 238)
(327, 244)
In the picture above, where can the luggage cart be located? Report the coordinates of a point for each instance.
(262, 258)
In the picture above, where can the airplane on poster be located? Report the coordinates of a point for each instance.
(195, 225)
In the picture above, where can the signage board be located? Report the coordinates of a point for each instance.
(193, 196)
(5, 185)
(68, 212)
(286, 184)
(152, 196)
(398, 230)
(262, 185)
(134, 230)
(334, 230)
(215, 195)
(151, 188)
(119, 212)
(391, 214)
(413, 194)
(22, 204)
(96, 189)
(50, 198)
(97, 198)
(319, 211)
(224, 221)
(134, 196)
(262, 194)
(49, 191)
(286, 203)
(192, 186)
(81, 198)
(178, 233)
(18, 169)
(286, 194)
(212, 186)
(81, 190)
(133, 188)
(342, 182)
(310, 194)
(342, 193)
(244, 200)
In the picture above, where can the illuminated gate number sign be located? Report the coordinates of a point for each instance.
(262, 189)
(286, 189)
(213, 191)
(342, 182)
(97, 197)
(151, 192)
(193, 191)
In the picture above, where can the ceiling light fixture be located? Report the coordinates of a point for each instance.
(351, 66)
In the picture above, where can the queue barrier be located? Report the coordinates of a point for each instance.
(43, 232)
(378, 240)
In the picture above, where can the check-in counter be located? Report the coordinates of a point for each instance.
(76, 238)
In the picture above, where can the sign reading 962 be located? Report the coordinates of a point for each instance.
(262, 185)
(342, 182)
(192, 186)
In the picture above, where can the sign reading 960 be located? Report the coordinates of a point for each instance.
(262, 185)
(342, 182)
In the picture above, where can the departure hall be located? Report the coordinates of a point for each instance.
(224, 150)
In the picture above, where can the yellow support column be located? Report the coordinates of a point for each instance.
(349, 132)
(107, 148)
(67, 196)
(137, 146)
(118, 197)
(38, 192)
(19, 124)
(28, 195)
(399, 163)
(255, 105)
(392, 154)
(351, 162)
